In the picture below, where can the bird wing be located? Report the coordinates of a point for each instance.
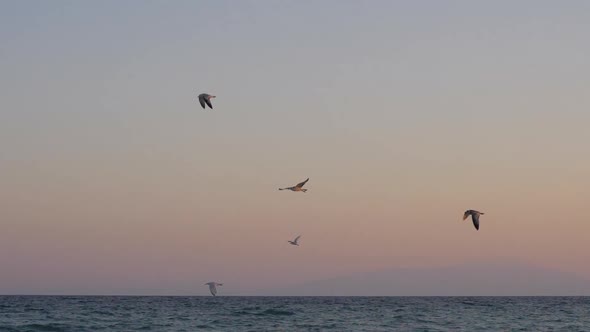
(475, 218)
(297, 239)
(213, 289)
(299, 185)
(202, 100)
(208, 103)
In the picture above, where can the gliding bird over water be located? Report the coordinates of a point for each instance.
(213, 288)
(298, 187)
(205, 99)
(295, 242)
(474, 216)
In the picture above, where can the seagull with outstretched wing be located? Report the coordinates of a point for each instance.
(205, 99)
(298, 187)
(213, 287)
(295, 242)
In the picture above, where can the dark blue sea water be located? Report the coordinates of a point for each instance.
(103, 313)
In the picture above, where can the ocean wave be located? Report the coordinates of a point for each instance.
(242, 313)
(267, 312)
(102, 313)
(204, 326)
(276, 312)
(50, 327)
(6, 328)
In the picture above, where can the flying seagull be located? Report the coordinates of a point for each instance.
(213, 287)
(205, 99)
(474, 216)
(295, 242)
(298, 187)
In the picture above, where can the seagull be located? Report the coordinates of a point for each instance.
(295, 242)
(205, 99)
(474, 216)
(298, 187)
(213, 288)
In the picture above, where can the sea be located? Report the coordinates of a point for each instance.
(227, 313)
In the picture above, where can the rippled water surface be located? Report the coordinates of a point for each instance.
(101, 313)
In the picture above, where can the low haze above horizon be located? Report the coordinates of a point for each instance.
(403, 114)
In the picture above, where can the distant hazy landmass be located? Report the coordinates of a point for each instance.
(463, 280)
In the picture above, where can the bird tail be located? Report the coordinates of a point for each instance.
(281, 188)
(304, 190)
(481, 213)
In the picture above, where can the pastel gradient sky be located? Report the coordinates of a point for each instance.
(403, 115)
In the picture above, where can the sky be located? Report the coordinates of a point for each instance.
(403, 114)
